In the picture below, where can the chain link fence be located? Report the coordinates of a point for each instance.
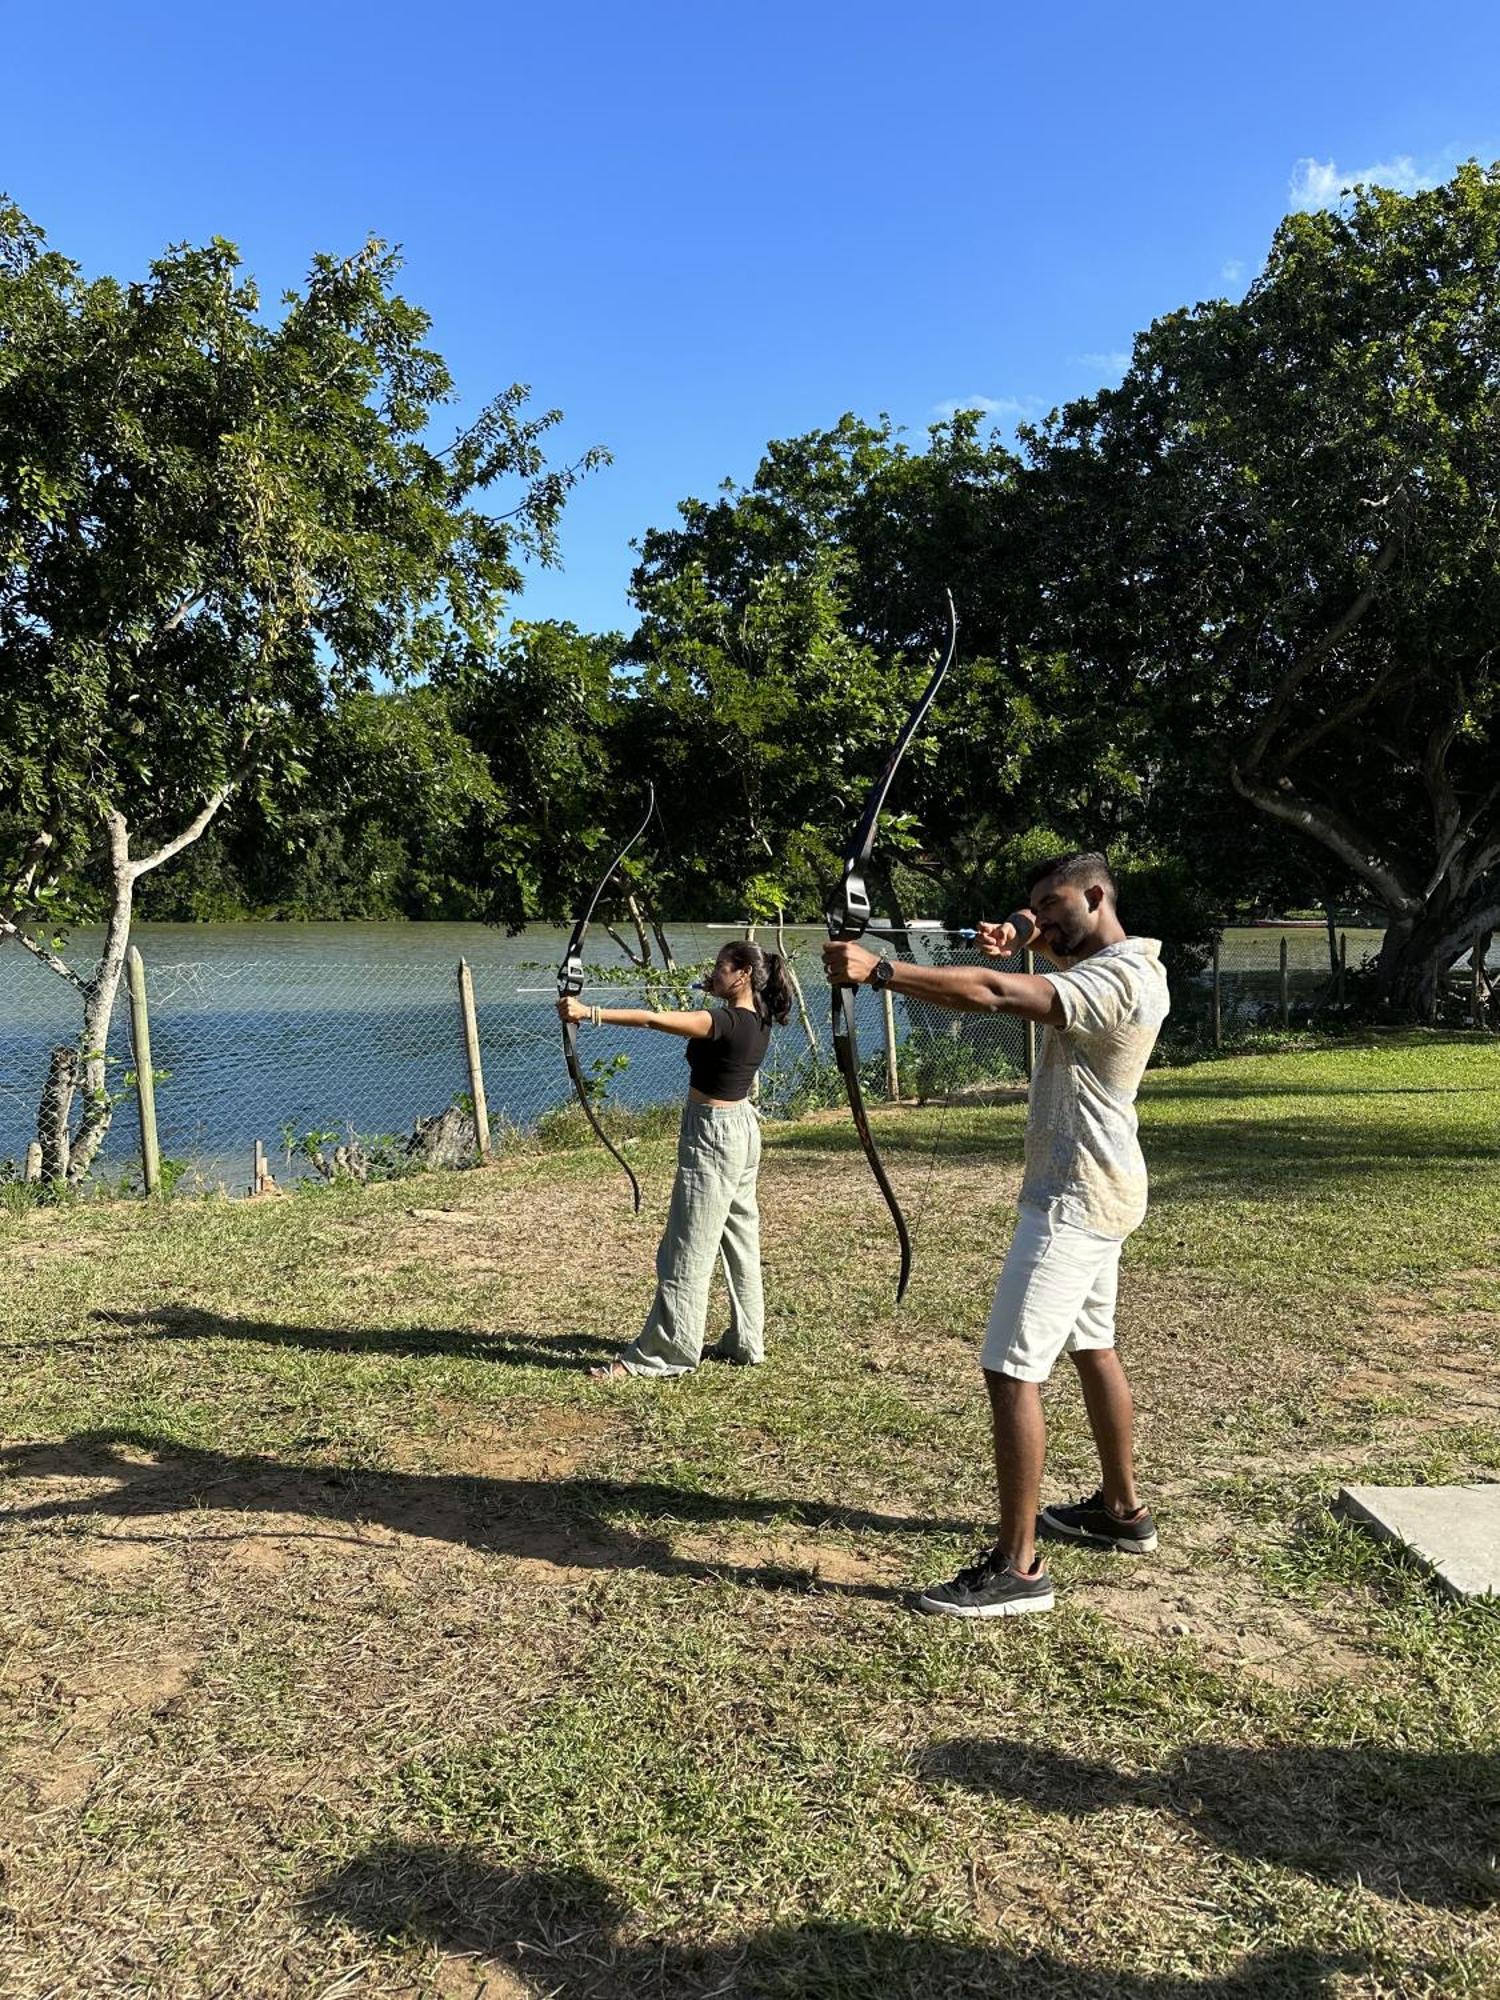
(311, 1039)
(309, 1053)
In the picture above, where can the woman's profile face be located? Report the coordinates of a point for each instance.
(724, 978)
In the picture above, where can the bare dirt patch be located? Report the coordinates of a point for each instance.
(556, 1441)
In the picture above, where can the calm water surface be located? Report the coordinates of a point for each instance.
(268, 1030)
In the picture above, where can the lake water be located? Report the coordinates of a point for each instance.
(270, 1030)
(273, 1029)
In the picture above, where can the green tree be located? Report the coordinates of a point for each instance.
(212, 525)
(547, 710)
(1275, 546)
(785, 629)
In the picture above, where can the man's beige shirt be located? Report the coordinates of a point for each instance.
(1083, 1155)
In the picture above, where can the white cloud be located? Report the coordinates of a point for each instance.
(1321, 184)
(1113, 363)
(989, 406)
(1231, 271)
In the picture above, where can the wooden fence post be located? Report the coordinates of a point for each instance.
(145, 1080)
(471, 1052)
(892, 1074)
(1476, 991)
(1216, 1003)
(260, 1173)
(1286, 1001)
(1030, 964)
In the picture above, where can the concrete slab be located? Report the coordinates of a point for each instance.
(1453, 1532)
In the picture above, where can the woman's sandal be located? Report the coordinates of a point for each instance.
(611, 1371)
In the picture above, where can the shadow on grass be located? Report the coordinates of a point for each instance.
(1198, 1161)
(565, 1930)
(1198, 1156)
(513, 1350)
(1407, 1824)
(571, 1523)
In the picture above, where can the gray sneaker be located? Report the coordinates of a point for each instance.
(990, 1588)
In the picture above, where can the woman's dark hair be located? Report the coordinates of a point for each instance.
(770, 988)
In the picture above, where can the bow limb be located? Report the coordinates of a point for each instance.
(570, 1057)
(849, 917)
(846, 1051)
(570, 985)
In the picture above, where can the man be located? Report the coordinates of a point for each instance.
(1082, 1193)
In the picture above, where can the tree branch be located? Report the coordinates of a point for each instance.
(1337, 834)
(20, 887)
(1299, 671)
(184, 839)
(1452, 942)
(1449, 854)
(1305, 742)
(48, 957)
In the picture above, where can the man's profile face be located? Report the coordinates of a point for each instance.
(1065, 914)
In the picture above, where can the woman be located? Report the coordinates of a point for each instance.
(713, 1212)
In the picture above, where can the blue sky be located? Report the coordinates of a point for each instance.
(697, 228)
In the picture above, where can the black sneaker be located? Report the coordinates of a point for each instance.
(1089, 1520)
(990, 1588)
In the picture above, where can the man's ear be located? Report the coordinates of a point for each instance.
(1094, 895)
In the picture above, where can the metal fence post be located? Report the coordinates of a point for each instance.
(1030, 1027)
(145, 1081)
(1286, 1001)
(34, 1162)
(1343, 963)
(471, 1052)
(1216, 1004)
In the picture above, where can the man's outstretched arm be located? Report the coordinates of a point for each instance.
(964, 989)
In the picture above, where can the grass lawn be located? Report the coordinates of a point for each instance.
(354, 1643)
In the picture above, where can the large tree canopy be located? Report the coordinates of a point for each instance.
(211, 523)
(1278, 540)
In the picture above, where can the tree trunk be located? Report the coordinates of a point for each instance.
(1417, 952)
(55, 1112)
(85, 1065)
(1484, 986)
(98, 1011)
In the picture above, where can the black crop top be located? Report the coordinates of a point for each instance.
(723, 1064)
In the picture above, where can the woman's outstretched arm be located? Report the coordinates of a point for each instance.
(695, 1025)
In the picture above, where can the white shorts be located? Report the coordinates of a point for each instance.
(1056, 1295)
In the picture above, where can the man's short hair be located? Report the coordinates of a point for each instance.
(1079, 871)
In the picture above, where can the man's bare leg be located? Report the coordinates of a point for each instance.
(1020, 1432)
(1111, 1413)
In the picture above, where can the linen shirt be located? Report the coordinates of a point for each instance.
(1083, 1154)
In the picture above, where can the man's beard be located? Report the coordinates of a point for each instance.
(1068, 942)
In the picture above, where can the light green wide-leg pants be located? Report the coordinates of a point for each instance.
(713, 1216)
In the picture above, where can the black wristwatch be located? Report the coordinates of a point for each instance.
(884, 972)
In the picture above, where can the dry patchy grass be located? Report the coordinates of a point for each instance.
(352, 1642)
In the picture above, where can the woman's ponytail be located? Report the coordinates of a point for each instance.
(770, 986)
(777, 993)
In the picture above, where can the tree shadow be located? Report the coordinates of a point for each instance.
(573, 1523)
(1194, 1162)
(565, 1930)
(503, 1349)
(1404, 1823)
